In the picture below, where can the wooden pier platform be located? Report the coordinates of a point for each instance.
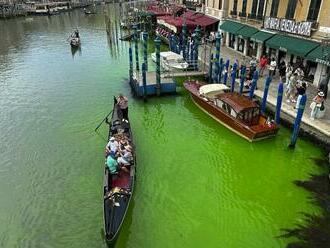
(167, 85)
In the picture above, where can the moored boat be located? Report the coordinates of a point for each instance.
(75, 39)
(118, 186)
(237, 112)
(170, 60)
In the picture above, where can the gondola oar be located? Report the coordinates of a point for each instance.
(103, 121)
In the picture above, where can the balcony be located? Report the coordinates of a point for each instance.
(242, 14)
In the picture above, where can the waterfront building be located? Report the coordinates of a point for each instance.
(296, 31)
(217, 9)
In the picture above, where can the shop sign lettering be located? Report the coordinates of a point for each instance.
(322, 61)
(289, 26)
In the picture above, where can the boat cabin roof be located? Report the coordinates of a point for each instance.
(211, 90)
(170, 55)
(238, 102)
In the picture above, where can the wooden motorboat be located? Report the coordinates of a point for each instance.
(118, 187)
(236, 112)
(171, 60)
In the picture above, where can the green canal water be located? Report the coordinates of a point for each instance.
(198, 184)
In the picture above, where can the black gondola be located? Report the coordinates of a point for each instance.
(118, 188)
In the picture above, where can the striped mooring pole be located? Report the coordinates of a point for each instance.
(136, 48)
(233, 77)
(144, 81)
(279, 103)
(210, 68)
(225, 77)
(242, 79)
(254, 84)
(130, 52)
(264, 98)
(184, 41)
(145, 50)
(217, 57)
(157, 45)
(297, 121)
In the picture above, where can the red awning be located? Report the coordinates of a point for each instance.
(201, 19)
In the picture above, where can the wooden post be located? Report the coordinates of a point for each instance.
(210, 68)
(136, 48)
(217, 56)
(184, 40)
(233, 77)
(225, 77)
(144, 81)
(279, 103)
(130, 64)
(297, 121)
(264, 98)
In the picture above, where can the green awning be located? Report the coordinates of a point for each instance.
(246, 31)
(231, 27)
(261, 36)
(320, 55)
(291, 45)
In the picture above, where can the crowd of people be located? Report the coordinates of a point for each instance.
(292, 75)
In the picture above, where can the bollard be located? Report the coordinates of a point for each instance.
(130, 64)
(254, 84)
(136, 48)
(144, 81)
(145, 50)
(297, 122)
(264, 98)
(243, 69)
(279, 103)
(157, 45)
(210, 68)
(184, 40)
(217, 56)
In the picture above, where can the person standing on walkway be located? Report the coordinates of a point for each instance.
(291, 88)
(282, 69)
(262, 65)
(122, 102)
(324, 86)
(301, 90)
(272, 67)
(288, 72)
(317, 106)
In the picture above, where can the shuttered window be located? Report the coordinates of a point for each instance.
(314, 9)
(292, 4)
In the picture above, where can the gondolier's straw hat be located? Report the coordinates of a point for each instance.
(320, 93)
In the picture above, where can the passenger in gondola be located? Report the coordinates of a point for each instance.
(112, 165)
(125, 158)
(122, 102)
(112, 147)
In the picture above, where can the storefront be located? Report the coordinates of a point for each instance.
(321, 58)
(259, 40)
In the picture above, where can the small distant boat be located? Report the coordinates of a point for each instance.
(117, 189)
(89, 12)
(170, 60)
(126, 37)
(237, 112)
(75, 39)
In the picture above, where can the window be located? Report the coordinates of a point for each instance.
(314, 9)
(220, 4)
(274, 8)
(292, 4)
(261, 9)
(241, 43)
(231, 40)
(254, 8)
(234, 11)
(243, 13)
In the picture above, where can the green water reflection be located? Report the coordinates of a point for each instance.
(198, 184)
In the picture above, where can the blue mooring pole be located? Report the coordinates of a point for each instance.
(264, 98)
(144, 81)
(225, 77)
(254, 84)
(145, 49)
(197, 34)
(210, 69)
(233, 77)
(219, 73)
(279, 103)
(157, 45)
(297, 121)
(242, 79)
(130, 64)
(136, 48)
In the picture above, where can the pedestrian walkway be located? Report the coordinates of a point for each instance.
(319, 127)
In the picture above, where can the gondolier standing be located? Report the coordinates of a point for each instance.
(122, 102)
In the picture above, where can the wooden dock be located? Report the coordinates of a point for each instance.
(183, 74)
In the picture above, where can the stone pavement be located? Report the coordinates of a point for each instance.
(320, 128)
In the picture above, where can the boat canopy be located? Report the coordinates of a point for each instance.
(210, 90)
(238, 102)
